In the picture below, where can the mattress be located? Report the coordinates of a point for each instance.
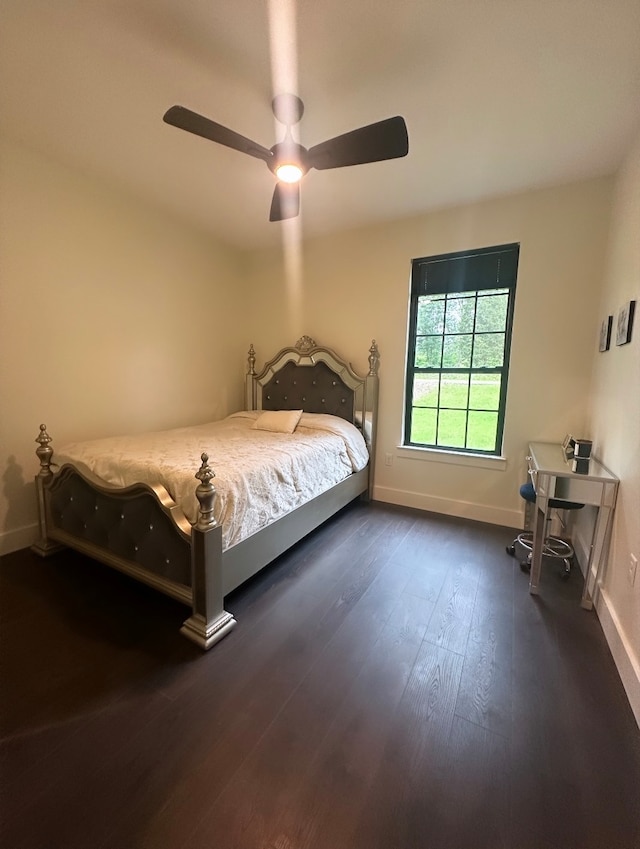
(259, 475)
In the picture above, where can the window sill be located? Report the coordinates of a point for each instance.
(456, 458)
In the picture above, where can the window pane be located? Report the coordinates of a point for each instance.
(460, 315)
(457, 351)
(488, 350)
(428, 352)
(482, 431)
(451, 428)
(425, 390)
(491, 315)
(454, 391)
(484, 393)
(423, 426)
(430, 317)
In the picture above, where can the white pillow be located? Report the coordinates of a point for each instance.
(278, 421)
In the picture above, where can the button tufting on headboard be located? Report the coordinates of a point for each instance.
(313, 388)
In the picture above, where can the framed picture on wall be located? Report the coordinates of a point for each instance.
(625, 323)
(605, 333)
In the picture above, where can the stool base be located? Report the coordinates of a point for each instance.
(553, 547)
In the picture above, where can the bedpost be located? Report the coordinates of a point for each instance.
(43, 546)
(370, 416)
(250, 380)
(209, 621)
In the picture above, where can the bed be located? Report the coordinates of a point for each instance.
(177, 537)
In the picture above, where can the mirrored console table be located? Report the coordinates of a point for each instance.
(552, 477)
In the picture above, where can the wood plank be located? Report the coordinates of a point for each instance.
(485, 688)
(452, 615)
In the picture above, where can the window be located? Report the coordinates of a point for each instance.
(460, 318)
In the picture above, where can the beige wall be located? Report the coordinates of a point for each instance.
(351, 287)
(113, 318)
(614, 415)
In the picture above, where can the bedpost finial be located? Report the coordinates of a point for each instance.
(374, 358)
(252, 359)
(206, 495)
(205, 472)
(44, 452)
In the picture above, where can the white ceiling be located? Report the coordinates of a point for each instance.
(498, 96)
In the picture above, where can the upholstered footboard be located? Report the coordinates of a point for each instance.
(140, 531)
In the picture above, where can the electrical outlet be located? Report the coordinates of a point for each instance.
(633, 566)
(388, 459)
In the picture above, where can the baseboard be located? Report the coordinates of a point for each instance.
(450, 507)
(627, 663)
(15, 540)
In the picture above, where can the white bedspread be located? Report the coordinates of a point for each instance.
(260, 476)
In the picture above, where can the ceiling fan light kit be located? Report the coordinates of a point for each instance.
(289, 173)
(290, 161)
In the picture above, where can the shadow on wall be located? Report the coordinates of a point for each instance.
(20, 497)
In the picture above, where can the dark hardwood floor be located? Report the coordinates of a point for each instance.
(390, 684)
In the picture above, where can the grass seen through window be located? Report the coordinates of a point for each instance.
(457, 425)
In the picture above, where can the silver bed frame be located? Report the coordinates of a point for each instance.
(142, 532)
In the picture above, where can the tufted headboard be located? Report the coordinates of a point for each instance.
(314, 389)
(315, 379)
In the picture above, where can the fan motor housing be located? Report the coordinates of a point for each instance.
(289, 153)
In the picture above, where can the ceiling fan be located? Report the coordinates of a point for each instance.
(290, 161)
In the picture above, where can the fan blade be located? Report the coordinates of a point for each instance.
(185, 119)
(386, 139)
(285, 202)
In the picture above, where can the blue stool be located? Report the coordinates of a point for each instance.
(553, 546)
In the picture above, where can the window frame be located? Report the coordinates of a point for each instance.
(469, 272)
